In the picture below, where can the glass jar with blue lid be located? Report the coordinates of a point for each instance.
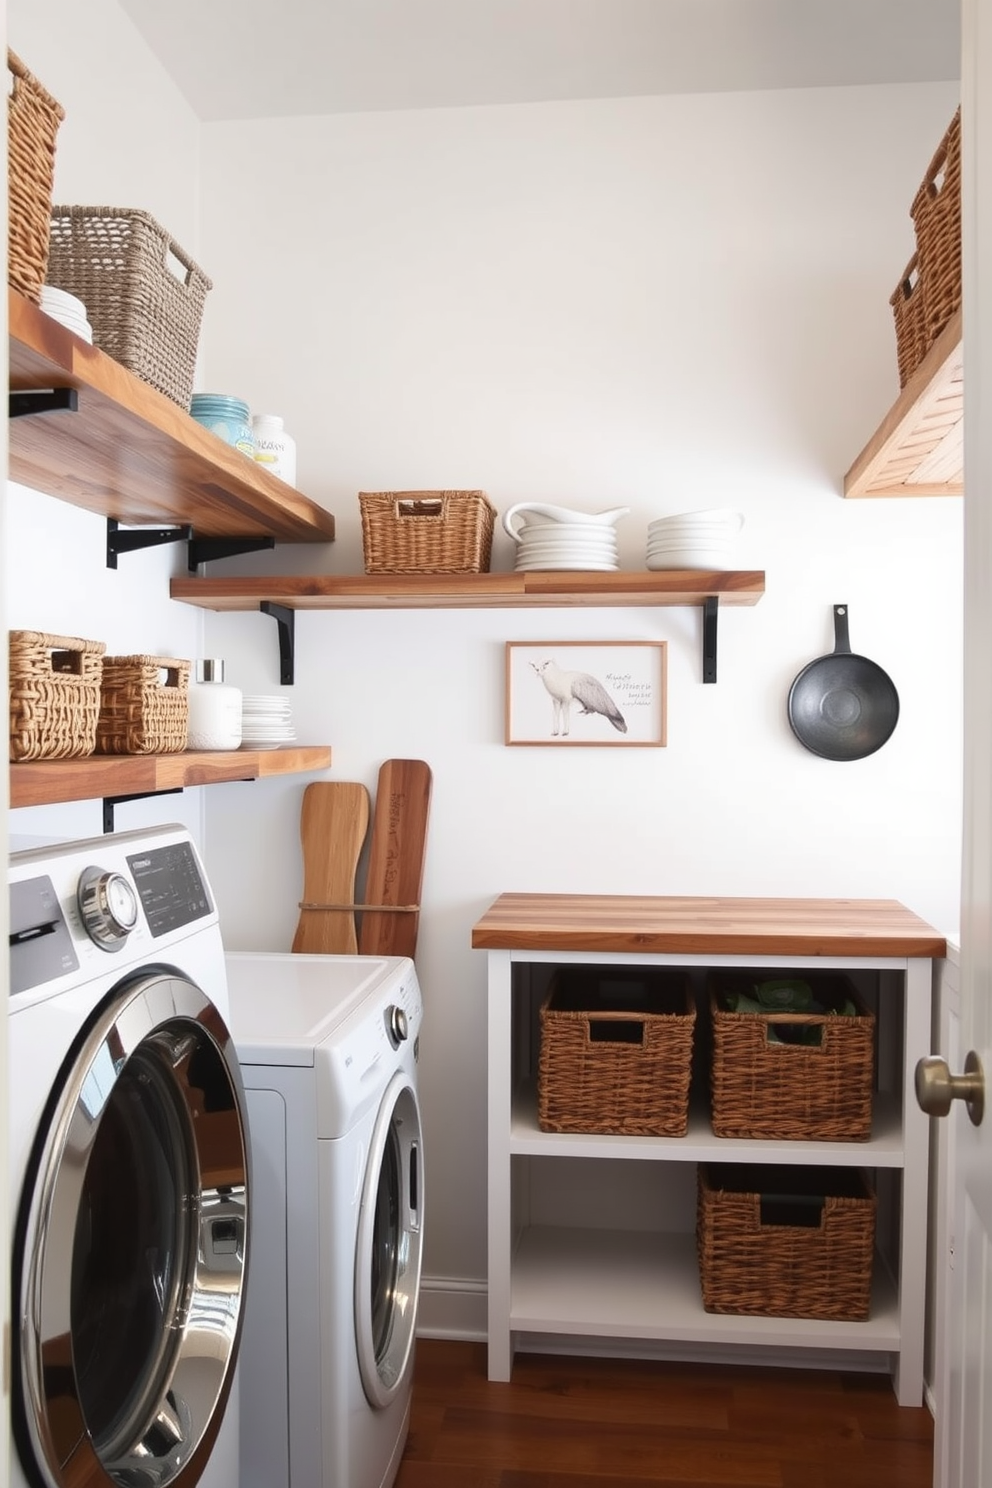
(226, 417)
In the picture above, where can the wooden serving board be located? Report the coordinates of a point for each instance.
(395, 875)
(333, 822)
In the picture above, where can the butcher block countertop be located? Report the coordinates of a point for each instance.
(703, 926)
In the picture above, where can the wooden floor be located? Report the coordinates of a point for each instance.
(599, 1423)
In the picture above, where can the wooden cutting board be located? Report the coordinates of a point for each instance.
(396, 859)
(333, 822)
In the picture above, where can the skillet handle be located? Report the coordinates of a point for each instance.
(842, 642)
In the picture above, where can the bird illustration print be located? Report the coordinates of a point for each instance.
(566, 688)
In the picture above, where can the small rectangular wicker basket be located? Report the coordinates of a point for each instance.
(785, 1241)
(616, 1052)
(427, 531)
(118, 262)
(144, 705)
(929, 291)
(54, 695)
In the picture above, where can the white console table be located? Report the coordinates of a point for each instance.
(607, 1273)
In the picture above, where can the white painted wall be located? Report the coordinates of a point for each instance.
(664, 303)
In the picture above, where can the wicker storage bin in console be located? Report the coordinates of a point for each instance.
(616, 1052)
(427, 531)
(144, 705)
(804, 1076)
(54, 695)
(785, 1241)
(144, 315)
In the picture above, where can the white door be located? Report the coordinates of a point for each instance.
(969, 1324)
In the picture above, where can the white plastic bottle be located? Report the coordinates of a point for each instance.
(214, 709)
(274, 448)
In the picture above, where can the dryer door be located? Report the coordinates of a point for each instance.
(131, 1246)
(390, 1239)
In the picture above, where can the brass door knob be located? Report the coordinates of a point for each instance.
(936, 1087)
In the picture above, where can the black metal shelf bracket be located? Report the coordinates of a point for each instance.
(711, 608)
(109, 802)
(285, 619)
(44, 400)
(137, 538)
(205, 549)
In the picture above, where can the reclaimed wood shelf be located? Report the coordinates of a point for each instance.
(129, 453)
(45, 782)
(918, 449)
(472, 591)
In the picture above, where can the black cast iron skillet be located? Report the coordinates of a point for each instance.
(842, 706)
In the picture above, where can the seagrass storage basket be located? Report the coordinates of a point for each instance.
(33, 119)
(785, 1241)
(427, 531)
(616, 1052)
(119, 262)
(54, 695)
(144, 705)
(930, 290)
(800, 1076)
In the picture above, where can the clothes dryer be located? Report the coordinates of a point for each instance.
(328, 1049)
(128, 1168)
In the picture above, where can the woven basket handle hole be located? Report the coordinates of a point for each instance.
(179, 267)
(798, 1032)
(798, 1211)
(419, 508)
(168, 677)
(608, 1031)
(68, 663)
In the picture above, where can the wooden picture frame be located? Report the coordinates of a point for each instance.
(577, 694)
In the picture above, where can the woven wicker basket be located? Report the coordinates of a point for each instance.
(118, 262)
(616, 1052)
(911, 322)
(54, 695)
(427, 531)
(33, 119)
(936, 213)
(790, 1091)
(785, 1241)
(144, 705)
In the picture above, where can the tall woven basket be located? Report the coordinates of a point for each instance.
(33, 119)
(144, 705)
(119, 262)
(54, 695)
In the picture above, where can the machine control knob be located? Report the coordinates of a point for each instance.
(396, 1025)
(108, 905)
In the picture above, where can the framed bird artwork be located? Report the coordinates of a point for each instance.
(568, 693)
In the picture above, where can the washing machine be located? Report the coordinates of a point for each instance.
(328, 1049)
(128, 1166)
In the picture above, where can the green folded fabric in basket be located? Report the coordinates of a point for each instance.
(787, 995)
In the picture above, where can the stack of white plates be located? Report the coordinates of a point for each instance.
(703, 539)
(266, 722)
(66, 309)
(566, 545)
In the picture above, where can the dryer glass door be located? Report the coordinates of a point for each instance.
(131, 1245)
(390, 1241)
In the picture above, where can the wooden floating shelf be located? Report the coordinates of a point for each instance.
(918, 449)
(44, 782)
(130, 453)
(472, 591)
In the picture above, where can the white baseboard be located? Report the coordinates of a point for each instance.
(452, 1308)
